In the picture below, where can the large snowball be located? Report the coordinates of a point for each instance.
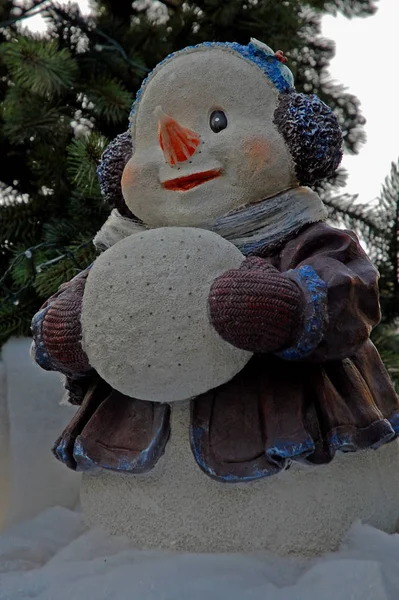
(145, 320)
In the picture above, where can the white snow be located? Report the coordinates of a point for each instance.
(53, 557)
(31, 419)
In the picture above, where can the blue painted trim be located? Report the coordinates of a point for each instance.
(61, 451)
(142, 462)
(258, 471)
(353, 439)
(277, 72)
(253, 248)
(288, 450)
(394, 421)
(83, 461)
(41, 356)
(315, 315)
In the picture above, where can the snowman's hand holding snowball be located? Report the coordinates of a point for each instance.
(257, 308)
(57, 330)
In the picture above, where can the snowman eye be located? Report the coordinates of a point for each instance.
(218, 121)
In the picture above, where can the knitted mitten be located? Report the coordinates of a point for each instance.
(256, 308)
(57, 330)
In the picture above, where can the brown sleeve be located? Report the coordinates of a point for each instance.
(57, 331)
(341, 285)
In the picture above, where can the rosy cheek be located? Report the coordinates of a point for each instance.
(257, 152)
(128, 176)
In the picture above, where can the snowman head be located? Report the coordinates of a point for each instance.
(214, 128)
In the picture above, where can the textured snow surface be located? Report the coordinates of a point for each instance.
(53, 557)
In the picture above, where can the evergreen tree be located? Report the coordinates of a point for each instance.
(65, 94)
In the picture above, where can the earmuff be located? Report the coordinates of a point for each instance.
(312, 134)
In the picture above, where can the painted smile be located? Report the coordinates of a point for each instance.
(182, 184)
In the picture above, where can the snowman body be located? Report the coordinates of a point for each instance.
(304, 511)
(227, 325)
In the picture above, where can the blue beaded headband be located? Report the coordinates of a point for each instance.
(269, 62)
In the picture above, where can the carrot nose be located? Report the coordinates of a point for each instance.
(177, 143)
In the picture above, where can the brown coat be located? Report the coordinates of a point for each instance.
(298, 405)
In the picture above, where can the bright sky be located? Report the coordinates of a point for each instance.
(367, 52)
(366, 60)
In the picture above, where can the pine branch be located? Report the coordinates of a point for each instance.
(109, 98)
(65, 267)
(389, 263)
(43, 268)
(354, 215)
(354, 8)
(21, 220)
(83, 156)
(172, 4)
(386, 339)
(395, 245)
(59, 232)
(28, 117)
(15, 319)
(39, 65)
(82, 24)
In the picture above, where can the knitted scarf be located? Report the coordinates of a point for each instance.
(260, 227)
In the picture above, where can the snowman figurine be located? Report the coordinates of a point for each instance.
(222, 334)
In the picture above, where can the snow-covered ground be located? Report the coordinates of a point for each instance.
(46, 553)
(52, 557)
(30, 421)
